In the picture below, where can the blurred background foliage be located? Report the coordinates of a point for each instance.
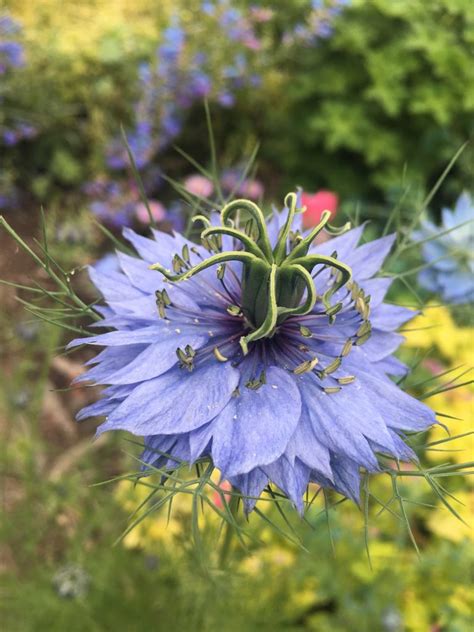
(368, 98)
(380, 99)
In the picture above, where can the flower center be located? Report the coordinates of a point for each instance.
(276, 282)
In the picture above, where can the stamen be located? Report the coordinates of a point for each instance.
(329, 390)
(360, 341)
(364, 329)
(348, 379)
(218, 355)
(185, 254)
(186, 357)
(256, 383)
(346, 348)
(234, 310)
(306, 366)
(333, 366)
(162, 301)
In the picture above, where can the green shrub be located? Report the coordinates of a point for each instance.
(389, 96)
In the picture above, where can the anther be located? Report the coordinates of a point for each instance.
(186, 357)
(333, 366)
(365, 328)
(221, 271)
(346, 348)
(256, 383)
(185, 253)
(218, 355)
(306, 366)
(362, 339)
(234, 310)
(348, 379)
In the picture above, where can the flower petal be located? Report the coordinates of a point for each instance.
(255, 428)
(176, 402)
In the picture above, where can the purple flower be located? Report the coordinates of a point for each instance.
(226, 99)
(10, 137)
(11, 55)
(268, 355)
(208, 8)
(8, 26)
(173, 42)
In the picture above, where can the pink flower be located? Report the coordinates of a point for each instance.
(217, 498)
(316, 203)
(199, 185)
(261, 14)
(250, 41)
(158, 212)
(252, 189)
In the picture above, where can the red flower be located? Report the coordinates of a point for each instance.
(315, 204)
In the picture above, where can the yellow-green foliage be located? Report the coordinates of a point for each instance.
(78, 84)
(81, 29)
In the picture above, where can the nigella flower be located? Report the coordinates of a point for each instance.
(451, 254)
(257, 350)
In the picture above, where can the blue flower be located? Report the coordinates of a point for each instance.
(8, 26)
(11, 55)
(261, 351)
(451, 254)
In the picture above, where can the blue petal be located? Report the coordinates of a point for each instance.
(380, 345)
(250, 484)
(390, 317)
(149, 281)
(146, 335)
(428, 280)
(199, 440)
(367, 260)
(399, 410)
(291, 478)
(139, 273)
(154, 446)
(108, 361)
(176, 402)
(346, 477)
(255, 428)
(158, 250)
(113, 286)
(344, 245)
(392, 366)
(155, 360)
(100, 408)
(458, 285)
(336, 425)
(464, 209)
(377, 289)
(308, 448)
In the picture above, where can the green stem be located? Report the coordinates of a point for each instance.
(229, 532)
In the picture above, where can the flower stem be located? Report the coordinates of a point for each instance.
(229, 532)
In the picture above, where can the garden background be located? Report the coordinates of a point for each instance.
(366, 102)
